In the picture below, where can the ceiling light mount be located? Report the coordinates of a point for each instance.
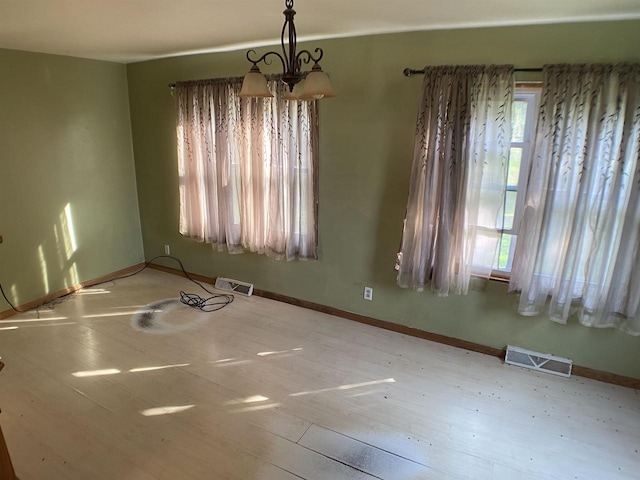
(317, 83)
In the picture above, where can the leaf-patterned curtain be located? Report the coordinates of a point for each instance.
(579, 243)
(458, 178)
(246, 169)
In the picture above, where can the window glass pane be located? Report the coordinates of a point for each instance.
(505, 249)
(518, 120)
(519, 156)
(515, 159)
(509, 210)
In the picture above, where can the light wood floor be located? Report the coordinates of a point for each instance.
(265, 390)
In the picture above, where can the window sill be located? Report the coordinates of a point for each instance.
(502, 278)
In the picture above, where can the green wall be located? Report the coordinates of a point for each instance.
(366, 139)
(68, 202)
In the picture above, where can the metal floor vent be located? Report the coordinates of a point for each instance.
(538, 361)
(234, 286)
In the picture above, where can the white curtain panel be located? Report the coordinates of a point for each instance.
(458, 178)
(579, 241)
(208, 181)
(246, 169)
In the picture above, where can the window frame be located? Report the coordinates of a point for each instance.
(529, 92)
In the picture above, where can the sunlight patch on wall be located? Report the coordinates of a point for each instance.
(45, 272)
(68, 231)
(56, 235)
(66, 245)
(14, 294)
(73, 271)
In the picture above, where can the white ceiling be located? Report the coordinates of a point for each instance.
(134, 30)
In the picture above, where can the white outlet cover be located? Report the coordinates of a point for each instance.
(368, 293)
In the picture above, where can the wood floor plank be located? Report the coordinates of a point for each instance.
(364, 457)
(411, 439)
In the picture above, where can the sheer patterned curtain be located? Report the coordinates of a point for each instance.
(579, 241)
(458, 178)
(247, 169)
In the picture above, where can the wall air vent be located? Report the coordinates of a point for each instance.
(234, 286)
(538, 361)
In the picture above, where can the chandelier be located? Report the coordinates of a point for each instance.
(311, 85)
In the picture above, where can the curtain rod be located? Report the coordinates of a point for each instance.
(206, 81)
(408, 72)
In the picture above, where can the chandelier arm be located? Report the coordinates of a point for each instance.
(309, 56)
(263, 58)
(284, 50)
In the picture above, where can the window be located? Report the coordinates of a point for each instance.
(457, 184)
(523, 120)
(570, 199)
(577, 252)
(247, 169)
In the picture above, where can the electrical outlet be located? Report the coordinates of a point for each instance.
(368, 293)
(167, 250)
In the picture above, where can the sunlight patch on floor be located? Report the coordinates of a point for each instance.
(161, 367)
(344, 387)
(114, 314)
(231, 362)
(256, 408)
(23, 320)
(362, 394)
(93, 291)
(96, 373)
(251, 399)
(264, 354)
(48, 325)
(152, 412)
